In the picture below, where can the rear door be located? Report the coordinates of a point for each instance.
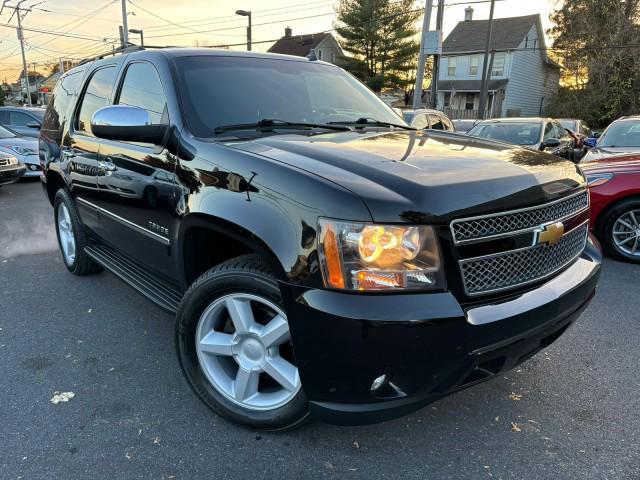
(137, 189)
(79, 153)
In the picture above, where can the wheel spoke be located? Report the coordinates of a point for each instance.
(282, 372)
(626, 240)
(275, 332)
(245, 384)
(633, 218)
(635, 246)
(217, 343)
(241, 314)
(626, 224)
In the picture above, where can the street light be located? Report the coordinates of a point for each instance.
(138, 32)
(246, 13)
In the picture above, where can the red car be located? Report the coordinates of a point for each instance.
(614, 185)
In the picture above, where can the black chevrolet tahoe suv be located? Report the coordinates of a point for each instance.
(321, 257)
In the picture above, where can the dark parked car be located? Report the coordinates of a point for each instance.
(24, 120)
(622, 137)
(425, 118)
(10, 169)
(320, 256)
(544, 134)
(614, 187)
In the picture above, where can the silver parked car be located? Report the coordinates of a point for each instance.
(24, 120)
(25, 149)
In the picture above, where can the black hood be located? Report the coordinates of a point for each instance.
(425, 176)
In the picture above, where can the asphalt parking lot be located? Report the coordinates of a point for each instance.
(571, 412)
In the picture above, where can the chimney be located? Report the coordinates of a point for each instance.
(287, 31)
(468, 14)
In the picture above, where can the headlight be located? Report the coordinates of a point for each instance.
(595, 179)
(366, 256)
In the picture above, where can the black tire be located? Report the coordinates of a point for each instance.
(243, 274)
(612, 215)
(82, 265)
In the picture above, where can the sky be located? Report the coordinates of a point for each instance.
(89, 27)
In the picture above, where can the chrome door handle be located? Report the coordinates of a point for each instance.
(107, 166)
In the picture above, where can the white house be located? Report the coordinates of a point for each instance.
(523, 78)
(323, 45)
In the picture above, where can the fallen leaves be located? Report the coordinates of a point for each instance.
(355, 444)
(59, 397)
(515, 427)
(515, 396)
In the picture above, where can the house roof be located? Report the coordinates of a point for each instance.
(298, 45)
(470, 85)
(471, 36)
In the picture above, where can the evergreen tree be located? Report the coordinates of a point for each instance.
(381, 36)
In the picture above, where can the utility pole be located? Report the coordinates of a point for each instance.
(24, 58)
(436, 58)
(61, 65)
(426, 21)
(486, 74)
(125, 27)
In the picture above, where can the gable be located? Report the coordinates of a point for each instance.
(471, 36)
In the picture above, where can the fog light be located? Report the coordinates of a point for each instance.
(33, 167)
(378, 382)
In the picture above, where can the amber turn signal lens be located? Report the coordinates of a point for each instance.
(332, 258)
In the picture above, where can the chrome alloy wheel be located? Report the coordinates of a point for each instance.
(66, 235)
(626, 232)
(244, 349)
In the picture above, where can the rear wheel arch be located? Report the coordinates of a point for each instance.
(198, 230)
(54, 183)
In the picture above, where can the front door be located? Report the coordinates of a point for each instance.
(137, 190)
(79, 152)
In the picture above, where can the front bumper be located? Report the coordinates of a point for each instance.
(427, 345)
(32, 163)
(11, 173)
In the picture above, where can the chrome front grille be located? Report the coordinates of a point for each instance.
(503, 224)
(501, 271)
(4, 162)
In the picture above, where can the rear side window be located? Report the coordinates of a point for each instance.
(142, 88)
(63, 96)
(19, 119)
(549, 131)
(95, 96)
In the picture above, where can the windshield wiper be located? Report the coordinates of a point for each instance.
(371, 122)
(268, 124)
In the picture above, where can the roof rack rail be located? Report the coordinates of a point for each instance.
(121, 50)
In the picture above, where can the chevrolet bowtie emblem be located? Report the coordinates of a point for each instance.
(548, 234)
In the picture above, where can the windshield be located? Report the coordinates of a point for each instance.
(621, 134)
(219, 90)
(570, 124)
(517, 133)
(6, 133)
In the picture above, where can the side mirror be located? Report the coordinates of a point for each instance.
(33, 124)
(551, 143)
(126, 124)
(590, 142)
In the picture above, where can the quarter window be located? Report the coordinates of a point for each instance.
(95, 96)
(66, 88)
(142, 88)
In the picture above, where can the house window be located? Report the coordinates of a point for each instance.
(473, 65)
(451, 71)
(447, 99)
(319, 54)
(497, 70)
(470, 101)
